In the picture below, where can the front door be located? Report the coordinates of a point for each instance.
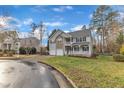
(9, 46)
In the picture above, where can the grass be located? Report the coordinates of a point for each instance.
(84, 72)
(101, 72)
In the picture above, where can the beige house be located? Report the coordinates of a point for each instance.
(9, 40)
(72, 43)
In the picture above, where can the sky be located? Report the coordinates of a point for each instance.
(65, 17)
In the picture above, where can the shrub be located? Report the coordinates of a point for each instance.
(27, 50)
(33, 50)
(94, 55)
(10, 53)
(1, 54)
(13, 51)
(122, 50)
(6, 51)
(22, 50)
(118, 57)
(1, 50)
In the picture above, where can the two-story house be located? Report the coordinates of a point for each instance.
(9, 40)
(72, 43)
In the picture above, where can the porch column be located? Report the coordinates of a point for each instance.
(72, 50)
(79, 49)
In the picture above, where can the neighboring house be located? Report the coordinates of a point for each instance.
(9, 40)
(30, 42)
(33, 40)
(72, 43)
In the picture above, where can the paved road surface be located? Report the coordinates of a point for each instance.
(24, 74)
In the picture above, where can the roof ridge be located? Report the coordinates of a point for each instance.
(79, 30)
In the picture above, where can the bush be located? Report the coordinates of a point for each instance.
(28, 50)
(1, 50)
(118, 57)
(1, 54)
(33, 50)
(22, 50)
(10, 53)
(122, 50)
(94, 55)
(6, 51)
(13, 51)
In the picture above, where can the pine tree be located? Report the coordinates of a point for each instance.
(103, 20)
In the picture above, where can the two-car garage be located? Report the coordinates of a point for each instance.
(54, 51)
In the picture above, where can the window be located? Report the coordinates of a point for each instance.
(72, 39)
(77, 39)
(9, 46)
(76, 48)
(80, 39)
(84, 38)
(67, 39)
(85, 48)
(59, 43)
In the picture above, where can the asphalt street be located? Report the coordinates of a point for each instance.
(25, 74)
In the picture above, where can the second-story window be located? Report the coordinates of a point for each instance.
(77, 39)
(84, 38)
(80, 39)
(72, 39)
(67, 39)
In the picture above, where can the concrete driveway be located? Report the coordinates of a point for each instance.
(25, 74)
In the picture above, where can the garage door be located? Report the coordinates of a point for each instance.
(59, 52)
(52, 50)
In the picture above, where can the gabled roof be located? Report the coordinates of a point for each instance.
(30, 38)
(6, 34)
(63, 34)
(78, 33)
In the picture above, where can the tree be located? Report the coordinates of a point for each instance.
(41, 28)
(42, 31)
(33, 26)
(104, 22)
(120, 38)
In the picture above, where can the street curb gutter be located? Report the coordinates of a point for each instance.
(69, 80)
(9, 58)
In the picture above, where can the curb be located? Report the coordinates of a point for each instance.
(66, 77)
(9, 58)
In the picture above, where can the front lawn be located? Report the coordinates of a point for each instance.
(84, 72)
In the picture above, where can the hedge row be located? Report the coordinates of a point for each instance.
(28, 50)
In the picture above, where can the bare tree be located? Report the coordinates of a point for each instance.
(104, 20)
(42, 31)
(41, 28)
(33, 26)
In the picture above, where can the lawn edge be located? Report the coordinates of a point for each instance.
(9, 58)
(68, 79)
